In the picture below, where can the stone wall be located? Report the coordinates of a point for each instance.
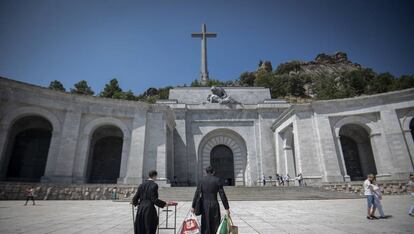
(387, 187)
(16, 191)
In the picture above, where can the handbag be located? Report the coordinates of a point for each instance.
(198, 209)
(232, 229)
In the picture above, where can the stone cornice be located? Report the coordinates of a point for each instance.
(12, 88)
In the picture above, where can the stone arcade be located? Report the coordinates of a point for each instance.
(51, 136)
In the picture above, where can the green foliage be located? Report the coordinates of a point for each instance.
(56, 85)
(276, 83)
(211, 82)
(295, 86)
(286, 68)
(381, 83)
(164, 92)
(82, 88)
(112, 90)
(247, 79)
(151, 95)
(287, 81)
(403, 82)
(327, 87)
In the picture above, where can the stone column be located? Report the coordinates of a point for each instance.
(3, 147)
(393, 135)
(328, 153)
(160, 142)
(280, 156)
(81, 158)
(181, 162)
(135, 161)
(126, 144)
(382, 158)
(52, 155)
(410, 142)
(347, 178)
(267, 150)
(63, 166)
(289, 161)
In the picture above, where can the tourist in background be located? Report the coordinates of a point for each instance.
(264, 180)
(411, 191)
(287, 179)
(208, 187)
(277, 178)
(30, 195)
(377, 197)
(300, 179)
(282, 180)
(369, 193)
(146, 220)
(175, 181)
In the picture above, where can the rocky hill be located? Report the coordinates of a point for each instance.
(323, 64)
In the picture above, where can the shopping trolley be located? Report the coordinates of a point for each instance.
(167, 209)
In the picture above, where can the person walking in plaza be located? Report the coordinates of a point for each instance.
(146, 220)
(30, 195)
(282, 180)
(287, 179)
(300, 179)
(411, 191)
(277, 178)
(208, 187)
(378, 197)
(264, 180)
(369, 194)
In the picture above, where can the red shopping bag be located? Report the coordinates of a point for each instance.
(190, 225)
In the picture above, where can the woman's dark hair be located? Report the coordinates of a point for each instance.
(152, 173)
(210, 170)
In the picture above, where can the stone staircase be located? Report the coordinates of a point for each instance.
(16, 191)
(259, 193)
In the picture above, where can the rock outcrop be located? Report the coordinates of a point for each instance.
(323, 64)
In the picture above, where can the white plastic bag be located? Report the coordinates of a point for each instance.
(190, 225)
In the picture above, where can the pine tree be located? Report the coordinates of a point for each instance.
(82, 88)
(111, 90)
(56, 85)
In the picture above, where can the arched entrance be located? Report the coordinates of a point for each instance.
(28, 148)
(357, 151)
(221, 158)
(105, 155)
(225, 150)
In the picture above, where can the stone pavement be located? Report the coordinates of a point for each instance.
(312, 216)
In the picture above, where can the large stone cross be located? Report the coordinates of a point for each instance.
(204, 35)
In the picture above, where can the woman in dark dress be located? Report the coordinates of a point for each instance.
(146, 220)
(209, 186)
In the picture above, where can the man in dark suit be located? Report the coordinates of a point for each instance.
(209, 186)
(146, 220)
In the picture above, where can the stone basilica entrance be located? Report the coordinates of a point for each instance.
(221, 158)
(225, 150)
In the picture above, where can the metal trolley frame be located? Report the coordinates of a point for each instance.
(167, 210)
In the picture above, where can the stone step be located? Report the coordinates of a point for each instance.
(258, 193)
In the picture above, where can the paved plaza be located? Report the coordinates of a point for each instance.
(313, 216)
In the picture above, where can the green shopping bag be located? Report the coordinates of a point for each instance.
(227, 226)
(224, 227)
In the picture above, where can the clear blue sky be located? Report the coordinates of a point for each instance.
(147, 43)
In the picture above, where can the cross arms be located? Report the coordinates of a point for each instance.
(205, 34)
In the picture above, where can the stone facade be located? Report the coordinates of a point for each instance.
(74, 119)
(327, 141)
(310, 138)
